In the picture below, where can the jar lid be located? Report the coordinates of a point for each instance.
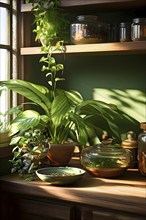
(125, 24)
(129, 144)
(137, 20)
(87, 17)
(130, 141)
(109, 150)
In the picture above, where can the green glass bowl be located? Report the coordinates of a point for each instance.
(60, 175)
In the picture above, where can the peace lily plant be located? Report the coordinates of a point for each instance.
(64, 116)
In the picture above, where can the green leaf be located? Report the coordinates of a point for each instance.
(44, 118)
(60, 107)
(44, 68)
(16, 110)
(59, 79)
(16, 154)
(60, 67)
(74, 97)
(24, 121)
(35, 93)
(15, 140)
(80, 128)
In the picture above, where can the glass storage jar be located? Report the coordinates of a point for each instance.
(138, 29)
(142, 149)
(112, 32)
(125, 31)
(106, 160)
(88, 29)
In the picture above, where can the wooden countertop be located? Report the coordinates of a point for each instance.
(125, 193)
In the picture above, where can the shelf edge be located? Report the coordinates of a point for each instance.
(139, 46)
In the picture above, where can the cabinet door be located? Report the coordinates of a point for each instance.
(19, 208)
(42, 210)
(114, 216)
(104, 214)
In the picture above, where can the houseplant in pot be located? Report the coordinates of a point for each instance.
(65, 116)
(51, 23)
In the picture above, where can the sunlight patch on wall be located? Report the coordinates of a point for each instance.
(132, 102)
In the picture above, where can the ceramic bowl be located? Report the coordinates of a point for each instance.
(60, 175)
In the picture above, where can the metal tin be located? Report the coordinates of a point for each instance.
(131, 144)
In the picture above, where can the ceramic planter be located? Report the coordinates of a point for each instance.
(60, 154)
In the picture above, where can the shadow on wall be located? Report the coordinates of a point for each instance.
(132, 102)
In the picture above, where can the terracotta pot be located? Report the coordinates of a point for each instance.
(60, 154)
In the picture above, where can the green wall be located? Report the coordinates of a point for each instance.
(113, 72)
(117, 79)
(120, 79)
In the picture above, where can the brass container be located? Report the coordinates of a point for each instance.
(131, 144)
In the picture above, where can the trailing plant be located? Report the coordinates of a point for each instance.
(30, 151)
(52, 30)
(51, 22)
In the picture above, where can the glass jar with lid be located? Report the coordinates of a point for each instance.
(112, 32)
(106, 160)
(125, 31)
(88, 29)
(138, 29)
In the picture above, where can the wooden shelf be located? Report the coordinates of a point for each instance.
(98, 3)
(102, 48)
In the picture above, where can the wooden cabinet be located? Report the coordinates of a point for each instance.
(90, 199)
(23, 207)
(105, 214)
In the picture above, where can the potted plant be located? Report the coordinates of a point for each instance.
(65, 116)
